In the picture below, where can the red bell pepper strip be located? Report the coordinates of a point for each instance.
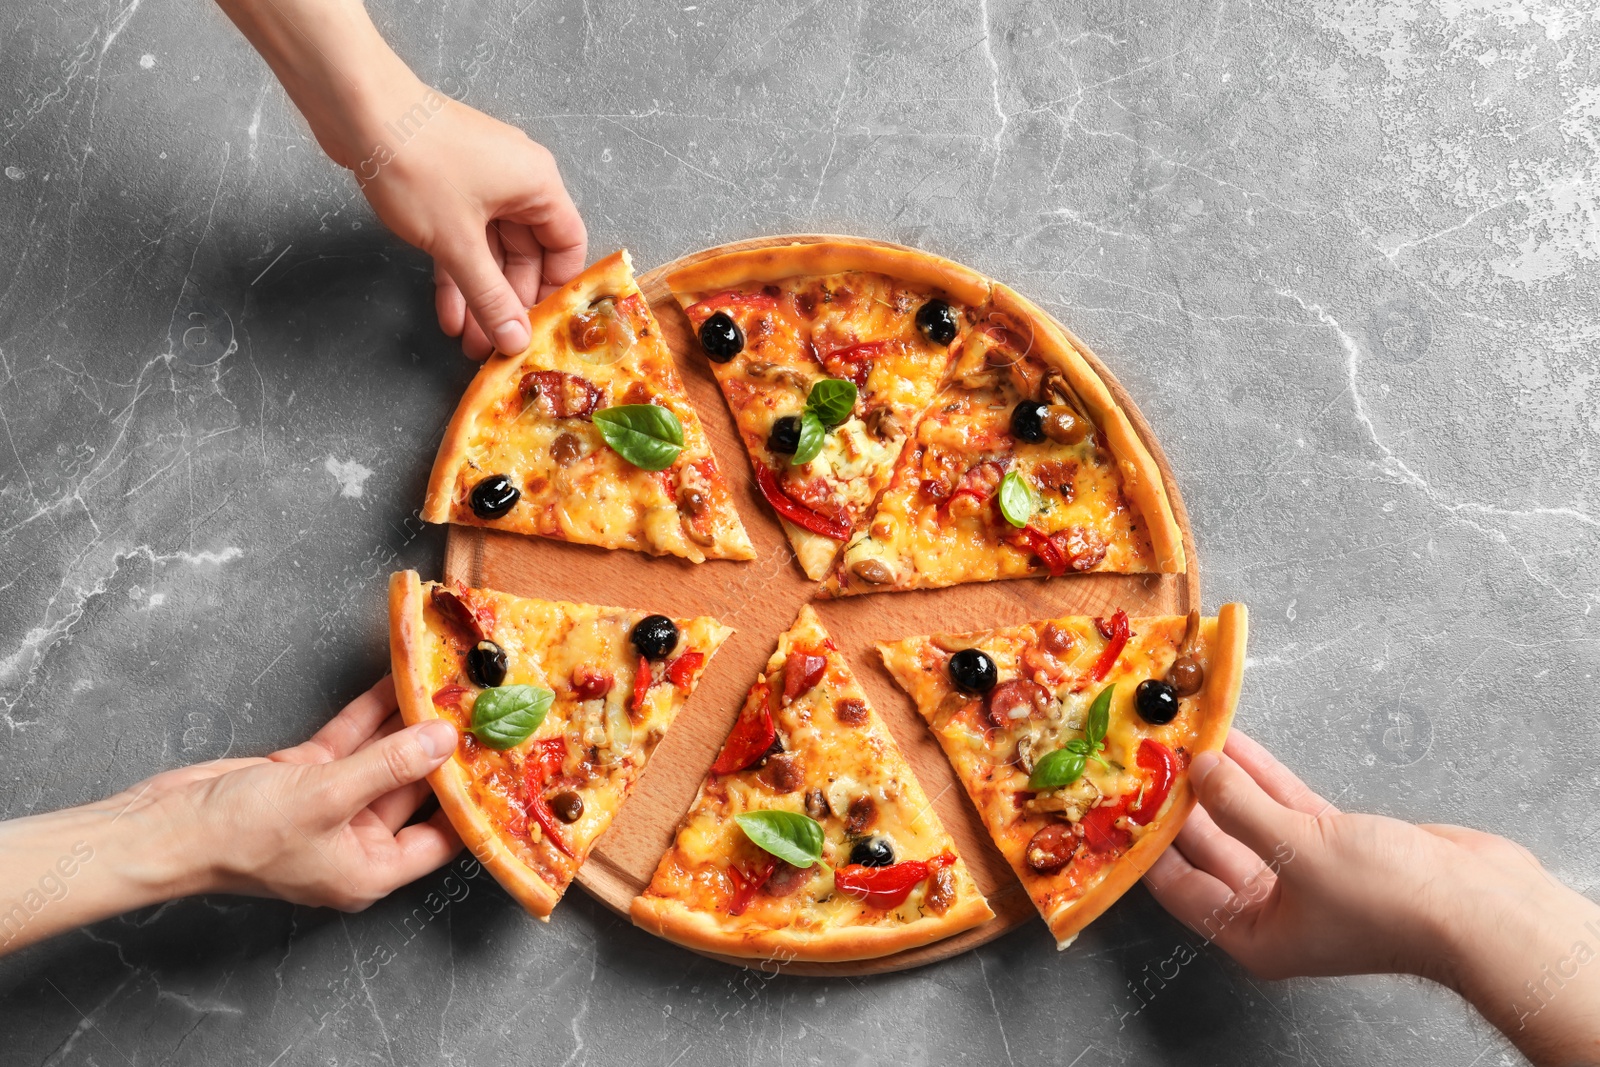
(751, 736)
(448, 696)
(1162, 764)
(798, 513)
(880, 887)
(745, 886)
(858, 358)
(1116, 632)
(545, 761)
(801, 671)
(727, 299)
(1049, 553)
(641, 686)
(680, 672)
(539, 808)
(1100, 830)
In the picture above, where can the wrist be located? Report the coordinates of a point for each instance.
(340, 73)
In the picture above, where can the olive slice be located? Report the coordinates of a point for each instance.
(973, 670)
(494, 497)
(1156, 702)
(655, 636)
(872, 852)
(487, 664)
(938, 322)
(721, 337)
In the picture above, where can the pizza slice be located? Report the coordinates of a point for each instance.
(811, 839)
(587, 435)
(1024, 465)
(827, 353)
(1073, 738)
(559, 707)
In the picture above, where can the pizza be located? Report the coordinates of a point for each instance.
(587, 435)
(559, 706)
(811, 838)
(1073, 737)
(827, 354)
(1023, 465)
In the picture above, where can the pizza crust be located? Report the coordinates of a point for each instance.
(1224, 676)
(834, 255)
(1141, 478)
(449, 781)
(676, 921)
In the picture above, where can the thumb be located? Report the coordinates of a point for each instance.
(489, 295)
(1242, 809)
(399, 759)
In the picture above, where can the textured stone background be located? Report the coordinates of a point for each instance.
(1345, 255)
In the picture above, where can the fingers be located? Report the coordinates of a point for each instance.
(1192, 896)
(448, 302)
(523, 259)
(491, 299)
(557, 228)
(356, 781)
(1209, 849)
(392, 725)
(1242, 809)
(424, 847)
(345, 732)
(393, 809)
(1279, 781)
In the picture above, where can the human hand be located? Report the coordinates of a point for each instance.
(1288, 885)
(487, 203)
(322, 823)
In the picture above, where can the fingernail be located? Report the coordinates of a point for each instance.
(1201, 768)
(437, 738)
(511, 337)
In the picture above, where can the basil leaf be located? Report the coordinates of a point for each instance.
(788, 835)
(1080, 746)
(1061, 767)
(832, 400)
(1099, 717)
(503, 717)
(812, 437)
(1016, 499)
(646, 435)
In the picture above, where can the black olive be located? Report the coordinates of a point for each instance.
(1156, 701)
(1027, 421)
(486, 664)
(973, 670)
(937, 320)
(567, 805)
(721, 337)
(494, 496)
(655, 636)
(872, 852)
(785, 435)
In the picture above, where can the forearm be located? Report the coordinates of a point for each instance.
(68, 868)
(334, 65)
(1529, 961)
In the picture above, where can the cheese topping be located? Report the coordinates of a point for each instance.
(555, 645)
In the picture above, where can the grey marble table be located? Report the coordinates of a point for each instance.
(1345, 255)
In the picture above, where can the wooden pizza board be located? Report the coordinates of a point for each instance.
(760, 600)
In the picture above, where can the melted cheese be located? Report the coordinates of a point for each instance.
(787, 350)
(593, 495)
(546, 642)
(844, 763)
(986, 759)
(930, 539)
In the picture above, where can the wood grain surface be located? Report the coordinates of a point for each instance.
(760, 600)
